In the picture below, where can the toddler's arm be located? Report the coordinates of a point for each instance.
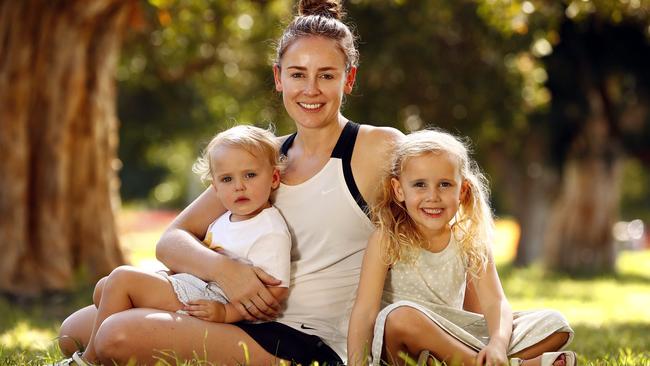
(367, 304)
(217, 312)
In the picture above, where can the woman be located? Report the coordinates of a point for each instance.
(332, 169)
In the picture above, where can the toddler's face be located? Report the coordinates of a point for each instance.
(430, 187)
(243, 181)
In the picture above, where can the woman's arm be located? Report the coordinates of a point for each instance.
(367, 303)
(498, 315)
(181, 250)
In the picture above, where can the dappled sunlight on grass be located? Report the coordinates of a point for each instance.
(26, 336)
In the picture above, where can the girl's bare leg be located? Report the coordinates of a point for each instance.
(405, 327)
(146, 335)
(128, 287)
(409, 331)
(552, 343)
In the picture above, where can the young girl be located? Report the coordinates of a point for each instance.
(434, 229)
(242, 164)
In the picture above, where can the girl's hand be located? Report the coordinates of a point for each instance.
(245, 287)
(207, 310)
(492, 355)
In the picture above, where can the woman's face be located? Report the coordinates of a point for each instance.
(312, 79)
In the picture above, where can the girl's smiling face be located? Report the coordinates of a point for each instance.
(313, 79)
(430, 186)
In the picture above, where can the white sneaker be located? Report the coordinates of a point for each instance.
(75, 360)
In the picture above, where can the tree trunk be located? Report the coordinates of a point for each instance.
(579, 237)
(58, 141)
(534, 194)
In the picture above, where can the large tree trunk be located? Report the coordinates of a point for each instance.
(579, 237)
(533, 196)
(58, 140)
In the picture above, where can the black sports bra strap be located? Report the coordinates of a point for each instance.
(287, 144)
(345, 144)
(343, 150)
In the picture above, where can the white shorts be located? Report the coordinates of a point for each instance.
(189, 288)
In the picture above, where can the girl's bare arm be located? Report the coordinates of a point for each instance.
(498, 315)
(367, 304)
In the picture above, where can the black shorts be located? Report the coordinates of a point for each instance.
(290, 344)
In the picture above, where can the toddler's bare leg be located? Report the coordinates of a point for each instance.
(128, 287)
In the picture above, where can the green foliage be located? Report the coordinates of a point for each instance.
(197, 67)
(473, 67)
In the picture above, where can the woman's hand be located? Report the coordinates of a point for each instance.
(494, 354)
(246, 288)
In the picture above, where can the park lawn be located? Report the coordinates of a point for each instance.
(610, 314)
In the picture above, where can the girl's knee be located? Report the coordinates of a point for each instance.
(401, 321)
(554, 316)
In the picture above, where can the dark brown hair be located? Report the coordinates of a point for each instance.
(320, 18)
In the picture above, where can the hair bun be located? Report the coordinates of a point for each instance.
(325, 8)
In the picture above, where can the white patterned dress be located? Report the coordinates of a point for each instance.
(435, 285)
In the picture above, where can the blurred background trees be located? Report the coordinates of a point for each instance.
(58, 141)
(553, 95)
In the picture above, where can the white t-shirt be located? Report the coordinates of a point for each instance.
(263, 241)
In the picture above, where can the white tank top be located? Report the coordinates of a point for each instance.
(329, 231)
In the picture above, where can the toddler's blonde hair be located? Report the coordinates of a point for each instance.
(255, 140)
(473, 225)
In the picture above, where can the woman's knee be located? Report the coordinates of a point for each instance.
(112, 341)
(75, 330)
(68, 342)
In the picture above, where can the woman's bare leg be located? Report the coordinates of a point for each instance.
(128, 287)
(409, 331)
(146, 335)
(76, 329)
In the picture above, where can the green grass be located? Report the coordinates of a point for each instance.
(610, 314)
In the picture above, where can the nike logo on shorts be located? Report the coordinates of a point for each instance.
(303, 326)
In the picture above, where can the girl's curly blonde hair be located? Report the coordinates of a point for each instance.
(255, 140)
(473, 224)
